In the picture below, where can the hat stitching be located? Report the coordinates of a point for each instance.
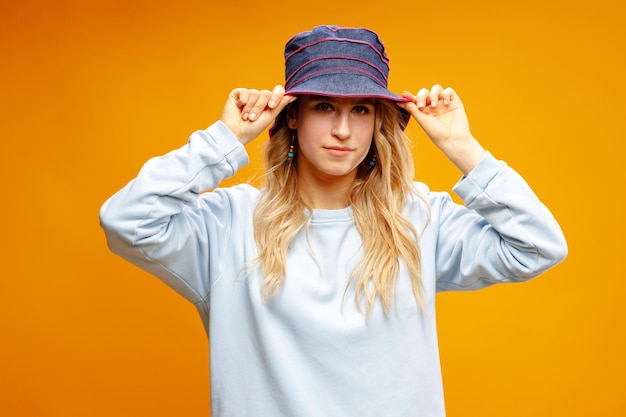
(382, 56)
(350, 95)
(326, 70)
(337, 29)
(339, 57)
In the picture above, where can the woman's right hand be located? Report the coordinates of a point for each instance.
(249, 112)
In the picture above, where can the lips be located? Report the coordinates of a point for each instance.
(338, 150)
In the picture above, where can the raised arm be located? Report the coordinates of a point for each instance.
(164, 222)
(507, 234)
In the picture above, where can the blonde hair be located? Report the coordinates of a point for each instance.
(378, 197)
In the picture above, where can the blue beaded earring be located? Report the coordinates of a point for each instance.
(373, 161)
(291, 153)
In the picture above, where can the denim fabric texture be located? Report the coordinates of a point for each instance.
(339, 62)
(336, 61)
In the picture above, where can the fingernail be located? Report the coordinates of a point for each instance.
(244, 116)
(252, 116)
(272, 103)
(420, 104)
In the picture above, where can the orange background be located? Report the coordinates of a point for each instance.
(91, 90)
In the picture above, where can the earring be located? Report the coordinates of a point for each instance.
(291, 154)
(373, 161)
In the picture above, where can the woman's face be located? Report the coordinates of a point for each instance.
(334, 135)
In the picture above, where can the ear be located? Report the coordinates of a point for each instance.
(292, 116)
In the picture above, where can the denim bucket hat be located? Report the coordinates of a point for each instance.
(337, 62)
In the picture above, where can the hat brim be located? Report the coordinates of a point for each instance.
(343, 84)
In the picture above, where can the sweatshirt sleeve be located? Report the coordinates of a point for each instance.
(503, 234)
(161, 221)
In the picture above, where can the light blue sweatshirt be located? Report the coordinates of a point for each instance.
(309, 351)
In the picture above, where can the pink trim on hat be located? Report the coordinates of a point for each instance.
(382, 56)
(351, 58)
(336, 29)
(351, 69)
(397, 99)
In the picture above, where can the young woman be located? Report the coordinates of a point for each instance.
(317, 292)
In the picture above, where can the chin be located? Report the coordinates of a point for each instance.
(339, 172)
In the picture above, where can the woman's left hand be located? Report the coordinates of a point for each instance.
(441, 114)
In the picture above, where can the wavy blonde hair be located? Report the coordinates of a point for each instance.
(378, 197)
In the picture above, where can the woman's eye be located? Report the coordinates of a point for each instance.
(323, 106)
(361, 110)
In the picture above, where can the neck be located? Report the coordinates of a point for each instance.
(327, 193)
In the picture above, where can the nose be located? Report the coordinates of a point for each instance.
(341, 129)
